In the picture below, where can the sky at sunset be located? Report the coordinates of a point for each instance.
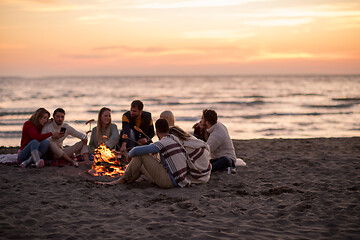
(168, 37)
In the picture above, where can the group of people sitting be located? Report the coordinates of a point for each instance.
(176, 160)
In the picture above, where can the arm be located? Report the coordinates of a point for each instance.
(142, 150)
(32, 132)
(73, 132)
(114, 137)
(151, 129)
(93, 139)
(126, 126)
(126, 130)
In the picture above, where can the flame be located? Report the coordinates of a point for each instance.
(124, 136)
(106, 163)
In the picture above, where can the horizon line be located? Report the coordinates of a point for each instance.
(181, 75)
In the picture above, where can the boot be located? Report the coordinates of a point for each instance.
(26, 163)
(36, 156)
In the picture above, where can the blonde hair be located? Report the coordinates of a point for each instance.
(99, 125)
(178, 132)
(37, 115)
(169, 116)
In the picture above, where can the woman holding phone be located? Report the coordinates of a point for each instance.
(34, 144)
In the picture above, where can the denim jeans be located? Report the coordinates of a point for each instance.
(42, 146)
(221, 163)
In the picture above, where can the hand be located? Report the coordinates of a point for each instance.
(123, 148)
(142, 141)
(58, 135)
(84, 140)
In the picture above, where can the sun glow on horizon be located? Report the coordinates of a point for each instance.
(190, 36)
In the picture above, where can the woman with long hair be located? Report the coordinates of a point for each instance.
(34, 144)
(105, 131)
(199, 155)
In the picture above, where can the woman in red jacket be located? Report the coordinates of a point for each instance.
(33, 143)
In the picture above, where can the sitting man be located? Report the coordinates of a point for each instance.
(173, 169)
(137, 125)
(56, 145)
(221, 146)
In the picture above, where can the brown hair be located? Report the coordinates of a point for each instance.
(99, 125)
(37, 115)
(210, 116)
(178, 132)
(138, 104)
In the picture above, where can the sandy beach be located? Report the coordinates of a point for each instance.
(290, 189)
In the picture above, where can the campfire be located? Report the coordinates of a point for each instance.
(106, 163)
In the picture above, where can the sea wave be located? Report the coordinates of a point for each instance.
(258, 116)
(15, 112)
(346, 99)
(346, 105)
(10, 134)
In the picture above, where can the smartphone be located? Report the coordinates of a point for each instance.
(62, 130)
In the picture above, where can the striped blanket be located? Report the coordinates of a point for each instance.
(175, 158)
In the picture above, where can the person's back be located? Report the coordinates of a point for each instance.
(199, 160)
(221, 146)
(199, 155)
(174, 158)
(220, 142)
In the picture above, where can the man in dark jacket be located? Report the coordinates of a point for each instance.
(137, 127)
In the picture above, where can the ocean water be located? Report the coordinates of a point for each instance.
(250, 106)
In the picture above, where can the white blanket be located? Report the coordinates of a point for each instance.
(8, 158)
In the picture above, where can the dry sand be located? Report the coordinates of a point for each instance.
(290, 189)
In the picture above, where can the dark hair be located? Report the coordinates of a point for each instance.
(59, 110)
(162, 126)
(37, 115)
(138, 104)
(210, 116)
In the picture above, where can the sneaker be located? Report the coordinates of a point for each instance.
(22, 165)
(40, 164)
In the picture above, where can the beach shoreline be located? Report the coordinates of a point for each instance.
(290, 189)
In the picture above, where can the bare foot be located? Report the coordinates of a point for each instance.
(120, 180)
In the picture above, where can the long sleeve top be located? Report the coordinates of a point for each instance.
(32, 132)
(110, 142)
(220, 142)
(172, 155)
(53, 127)
(145, 123)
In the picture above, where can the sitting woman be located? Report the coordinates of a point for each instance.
(105, 132)
(34, 144)
(199, 155)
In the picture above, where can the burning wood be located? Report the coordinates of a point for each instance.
(106, 163)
